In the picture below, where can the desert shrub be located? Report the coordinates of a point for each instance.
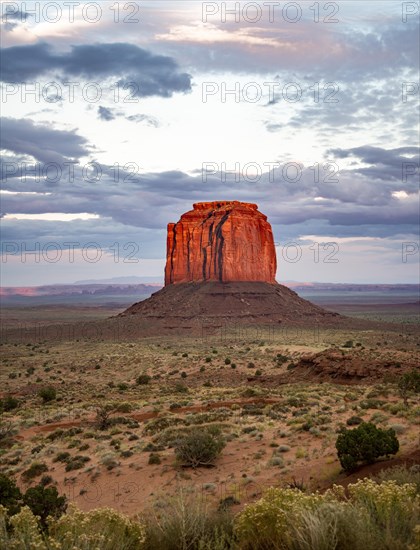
(398, 428)
(154, 458)
(124, 407)
(372, 516)
(103, 416)
(45, 502)
(6, 430)
(47, 394)
(227, 361)
(10, 495)
(156, 425)
(34, 470)
(186, 522)
(143, 379)
(9, 403)
(76, 462)
(276, 461)
(268, 523)
(62, 457)
(409, 383)
(180, 388)
(101, 528)
(354, 421)
(401, 475)
(372, 404)
(365, 443)
(392, 509)
(198, 448)
(56, 434)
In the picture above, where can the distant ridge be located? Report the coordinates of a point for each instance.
(133, 280)
(80, 290)
(123, 285)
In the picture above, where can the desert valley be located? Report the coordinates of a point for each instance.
(99, 407)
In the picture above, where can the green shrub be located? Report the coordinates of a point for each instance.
(124, 407)
(143, 379)
(198, 448)
(9, 403)
(76, 462)
(268, 523)
(34, 470)
(401, 475)
(62, 457)
(10, 495)
(227, 361)
(47, 394)
(409, 383)
(45, 502)
(101, 528)
(372, 516)
(154, 458)
(180, 388)
(354, 421)
(103, 415)
(365, 443)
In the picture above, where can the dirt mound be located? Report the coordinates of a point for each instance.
(194, 305)
(352, 365)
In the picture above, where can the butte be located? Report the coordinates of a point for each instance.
(220, 271)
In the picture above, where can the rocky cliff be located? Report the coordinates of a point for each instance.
(221, 241)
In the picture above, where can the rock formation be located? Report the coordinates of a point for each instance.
(222, 241)
(220, 269)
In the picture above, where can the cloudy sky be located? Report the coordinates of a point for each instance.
(117, 116)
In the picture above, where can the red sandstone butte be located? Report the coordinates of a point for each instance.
(221, 241)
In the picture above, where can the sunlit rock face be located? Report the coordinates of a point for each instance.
(223, 241)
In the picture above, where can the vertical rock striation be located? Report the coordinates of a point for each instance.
(223, 241)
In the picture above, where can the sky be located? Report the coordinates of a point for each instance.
(118, 116)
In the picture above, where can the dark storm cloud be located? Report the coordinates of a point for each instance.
(151, 200)
(154, 75)
(401, 164)
(357, 109)
(41, 142)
